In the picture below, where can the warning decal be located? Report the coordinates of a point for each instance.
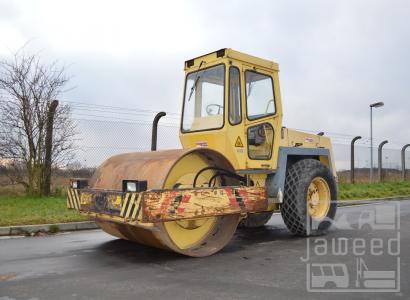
(238, 142)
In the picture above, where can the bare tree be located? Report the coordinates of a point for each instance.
(28, 88)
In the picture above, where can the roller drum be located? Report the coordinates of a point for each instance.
(169, 169)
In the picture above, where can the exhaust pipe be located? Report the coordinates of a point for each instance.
(155, 130)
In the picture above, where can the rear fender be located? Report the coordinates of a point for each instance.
(275, 183)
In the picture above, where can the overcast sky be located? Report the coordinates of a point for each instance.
(335, 57)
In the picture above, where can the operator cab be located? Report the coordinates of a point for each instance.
(231, 105)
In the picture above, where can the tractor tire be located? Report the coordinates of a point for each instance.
(256, 220)
(310, 195)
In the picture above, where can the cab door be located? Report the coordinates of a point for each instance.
(261, 118)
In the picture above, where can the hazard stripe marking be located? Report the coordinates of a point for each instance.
(70, 197)
(140, 209)
(74, 199)
(137, 207)
(124, 204)
(77, 197)
(130, 205)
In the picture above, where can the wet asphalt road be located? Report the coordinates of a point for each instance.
(257, 264)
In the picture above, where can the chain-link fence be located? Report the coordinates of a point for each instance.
(104, 131)
(100, 139)
(391, 162)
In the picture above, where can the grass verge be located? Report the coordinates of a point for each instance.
(349, 191)
(18, 210)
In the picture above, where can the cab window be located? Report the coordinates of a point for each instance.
(260, 99)
(260, 141)
(235, 111)
(204, 99)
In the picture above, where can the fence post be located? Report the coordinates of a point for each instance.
(155, 130)
(352, 179)
(49, 148)
(403, 162)
(380, 162)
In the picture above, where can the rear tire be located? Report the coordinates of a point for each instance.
(310, 196)
(256, 220)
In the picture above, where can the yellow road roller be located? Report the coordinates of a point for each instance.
(237, 166)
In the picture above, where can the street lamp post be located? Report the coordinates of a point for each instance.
(375, 105)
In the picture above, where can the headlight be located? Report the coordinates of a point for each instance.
(79, 183)
(134, 186)
(131, 186)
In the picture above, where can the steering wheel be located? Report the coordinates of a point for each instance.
(261, 131)
(267, 105)
(210, 109)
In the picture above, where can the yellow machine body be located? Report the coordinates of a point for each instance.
(196, 196)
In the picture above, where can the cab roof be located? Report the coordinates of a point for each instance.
(235, 55)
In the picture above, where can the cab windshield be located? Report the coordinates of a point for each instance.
(204, 99)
